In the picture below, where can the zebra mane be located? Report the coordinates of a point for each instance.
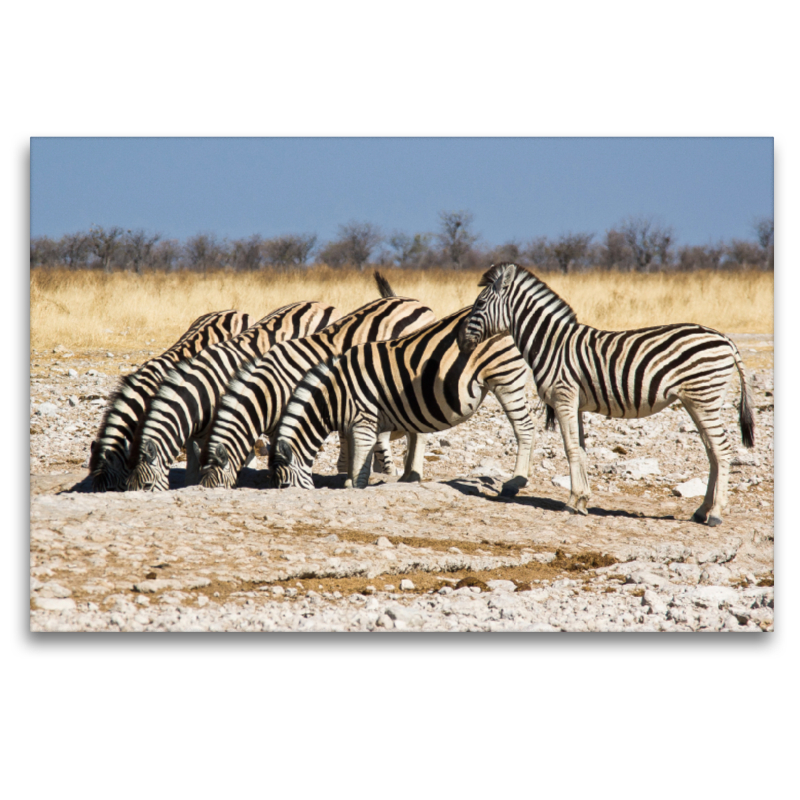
(510, 271)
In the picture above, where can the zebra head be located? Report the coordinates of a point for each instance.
(150, 474)
(285, 470)
(489, 315)
(109, 472)
(218, 470)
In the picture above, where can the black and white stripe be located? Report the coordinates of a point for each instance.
(418, 384)
(627, 374)
(187, 397)
(109, 452)
(255, 399)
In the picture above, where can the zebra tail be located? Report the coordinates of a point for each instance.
(383, 286)
(746, 422)
(549, 419)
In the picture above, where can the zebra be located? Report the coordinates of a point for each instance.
(188, 394)
(418, 384)
(628, 374)
(254, 400)
(109, 452)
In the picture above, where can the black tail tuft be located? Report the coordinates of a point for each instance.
(549, 419)
(746, 422)
(383, 286)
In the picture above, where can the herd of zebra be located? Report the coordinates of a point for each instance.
(391, 369)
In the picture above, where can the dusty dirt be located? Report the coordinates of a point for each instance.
(336, 559)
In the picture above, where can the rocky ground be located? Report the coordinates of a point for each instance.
(448, 554)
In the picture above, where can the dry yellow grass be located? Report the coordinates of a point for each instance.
(124, 311)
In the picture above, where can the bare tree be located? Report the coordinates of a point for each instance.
(105, 244)
(455, 236)
(247, 255)
(510, 251)
(700, 257)
(410, 251)
(166, 255)
(204, 252)
(138, 248)
(44, 252)
(615, 252)
(571, 248)
(290, 250)
(647, 241)
(354, 246)
(74, 249)
(765, 232)
(539, 253)
(743, 253)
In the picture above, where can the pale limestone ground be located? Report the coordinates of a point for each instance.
(335, 559)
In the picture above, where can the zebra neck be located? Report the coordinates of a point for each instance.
(539, 331)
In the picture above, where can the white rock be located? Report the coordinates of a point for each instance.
(73, 373)
(47, 410)
(639, 467)
(157, 586)
(385, 621)
(73, 400)
(562, 480)
(712, 596)
(693, 488)
(53, 589)
(55, 603)
(406, 585)
(382, 541)
(544, 558)
(502, 586)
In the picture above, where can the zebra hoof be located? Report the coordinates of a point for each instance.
(713, 522)
(412, 477)
(512, 487)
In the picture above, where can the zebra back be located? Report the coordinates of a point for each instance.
(188, 394)
(255, 398)
(130, 400)
(419, 383)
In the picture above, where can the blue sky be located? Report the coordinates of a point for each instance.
(517, 188)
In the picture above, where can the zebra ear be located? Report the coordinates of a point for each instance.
(221, 455)
(283, 452)
(149, 450)
(93, 446)
(503, 280)
(196, 449)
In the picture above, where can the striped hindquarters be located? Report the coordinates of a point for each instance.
(129, 402)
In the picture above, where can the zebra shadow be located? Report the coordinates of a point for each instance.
(492, 490)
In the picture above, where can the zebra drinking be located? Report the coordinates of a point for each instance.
(188, 395)
(256, 397)
(108, 465)
(418, 384)
(627, 374)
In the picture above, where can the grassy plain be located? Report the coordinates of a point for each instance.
(86, 310)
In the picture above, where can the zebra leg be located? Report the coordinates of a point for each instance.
(518, 411)
(415, 458)
(193, 450)
(712, 432)
(569, 422)
(361, 441)
(341, 464)
(382, 458)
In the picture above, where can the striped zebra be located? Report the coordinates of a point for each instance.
(418, 384)
(186, 398)
(627, 374)
(109, 452)
(256, 398)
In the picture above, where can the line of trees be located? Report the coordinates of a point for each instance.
(639, 244)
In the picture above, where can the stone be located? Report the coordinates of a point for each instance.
(384, 621)
(73, 373)
(693, 488)
(47, 410)
(406, 585)
(382, 541)
(158, 585)
(53, 589)
(55, 603)
(562, 481)
(637, 468)
(73, 400)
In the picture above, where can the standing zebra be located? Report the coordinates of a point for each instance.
(418, 384)
(188, 395)
(108, 463)
(256, 398)
(628, 374)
